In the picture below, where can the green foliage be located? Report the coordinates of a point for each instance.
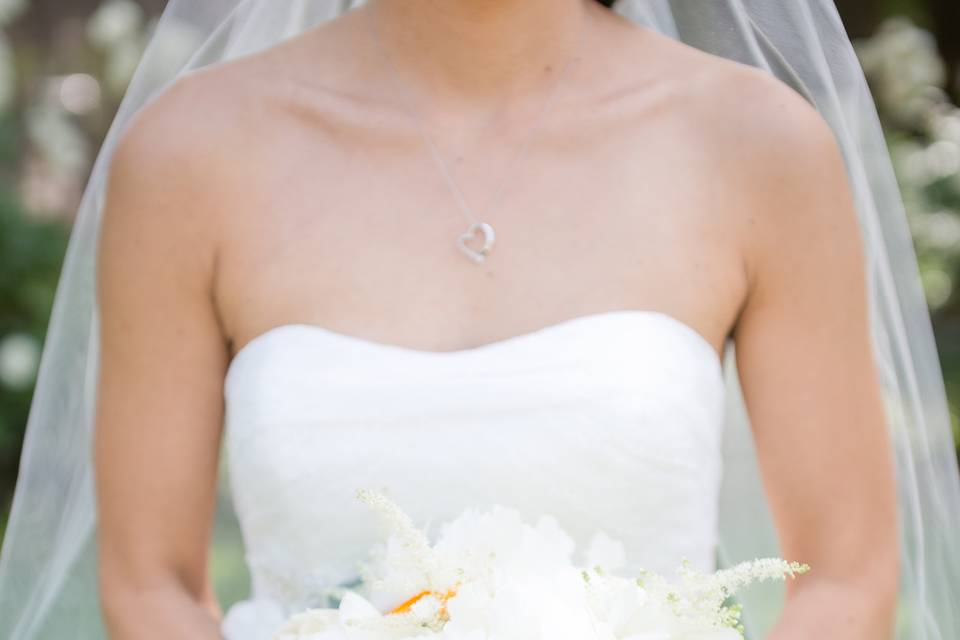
(917, 11)
(31, 251)
(909, 78)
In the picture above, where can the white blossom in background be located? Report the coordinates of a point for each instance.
(946, 125)
(117, 29)
(8, 74)
(78, 93)
(938, 287)
(940, 230)
(59, 157)
(121, 30)
(114, 22)
(57, 139)
(909, 78)
(170, 49)
(122, 61)
(905, 60)
(19, 358)
(10, 10)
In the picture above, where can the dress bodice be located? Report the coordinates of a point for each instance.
(610, 421)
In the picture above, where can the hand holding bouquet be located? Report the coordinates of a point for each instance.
(490, 576)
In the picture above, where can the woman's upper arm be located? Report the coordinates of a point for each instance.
(163, 358)
(805, 358)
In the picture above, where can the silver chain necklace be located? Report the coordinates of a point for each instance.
(478, 229)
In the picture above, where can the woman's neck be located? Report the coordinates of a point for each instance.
(480, 51)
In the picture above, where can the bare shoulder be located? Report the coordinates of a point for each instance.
(741, 120)
(796, 211)
(768, 143)
(744, 111)
(201, 114)
(765, 162)
(769, 129)
(785, 157)
(211, 123)
(170, 164)
(183, 156)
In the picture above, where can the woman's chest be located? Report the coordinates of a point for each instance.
(353, 238)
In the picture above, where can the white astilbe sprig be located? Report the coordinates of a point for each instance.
(715, 588)
(407, 556)
(699, 600)
(703, 595)
(731, 580)
(727, 582)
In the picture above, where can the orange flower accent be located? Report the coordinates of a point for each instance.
(408, 604)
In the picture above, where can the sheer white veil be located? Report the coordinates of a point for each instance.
(47, 567)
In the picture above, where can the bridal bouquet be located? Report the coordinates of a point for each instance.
(490, 576)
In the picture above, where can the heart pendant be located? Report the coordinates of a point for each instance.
(475, 232)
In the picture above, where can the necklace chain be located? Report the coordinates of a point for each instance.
(478, 228)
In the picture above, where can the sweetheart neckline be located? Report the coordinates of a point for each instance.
(698, 338)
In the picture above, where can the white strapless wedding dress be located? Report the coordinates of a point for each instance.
(610, 421)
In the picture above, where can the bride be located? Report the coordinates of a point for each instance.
(477, 252)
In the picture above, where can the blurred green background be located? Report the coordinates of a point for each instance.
(64, 67)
